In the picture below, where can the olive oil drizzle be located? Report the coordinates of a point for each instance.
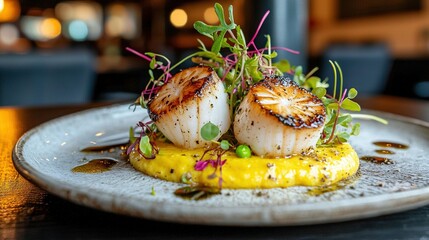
(384, 144)
(377, 160)
(348, 182)
(95, 166)
(391, 145)
(384, 151)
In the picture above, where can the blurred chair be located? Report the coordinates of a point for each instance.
(365, 67)
(47, 78)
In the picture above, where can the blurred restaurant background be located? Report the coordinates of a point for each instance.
(66, 52)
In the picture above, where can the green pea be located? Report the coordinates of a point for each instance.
(243, 151)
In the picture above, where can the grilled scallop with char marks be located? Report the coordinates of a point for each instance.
(189, 100)
(278, 118)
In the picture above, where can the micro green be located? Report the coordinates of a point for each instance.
(145, 143)
(240, 64)
(209, 131)
(339, 126)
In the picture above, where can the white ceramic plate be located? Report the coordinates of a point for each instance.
(46, 155)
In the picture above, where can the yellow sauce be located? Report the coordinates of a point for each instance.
(328, 165)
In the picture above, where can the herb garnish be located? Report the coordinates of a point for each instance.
(241, 64)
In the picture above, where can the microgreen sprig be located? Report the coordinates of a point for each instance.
(339, 126)
(241, 64)
(145, 144)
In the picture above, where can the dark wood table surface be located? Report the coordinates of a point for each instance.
(27, 212)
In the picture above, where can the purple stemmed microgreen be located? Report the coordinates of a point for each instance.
(240, 64)
(144, 144)
(339, 127)
(209, 132)
(244, 63)
(194, 191)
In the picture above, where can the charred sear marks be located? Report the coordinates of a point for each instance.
(185, 86)
(292, 105)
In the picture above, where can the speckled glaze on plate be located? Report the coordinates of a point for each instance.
(46, 155)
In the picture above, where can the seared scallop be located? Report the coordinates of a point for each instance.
(278, 118)
(189, 100)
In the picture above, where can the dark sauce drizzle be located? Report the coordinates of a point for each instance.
(384, 151)
(95, 166)
(347, 182)
(377, 160)
(390, 145)
(383, 160)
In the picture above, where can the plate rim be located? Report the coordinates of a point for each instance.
(276, 215)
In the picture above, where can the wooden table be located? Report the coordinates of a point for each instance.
(27, 212)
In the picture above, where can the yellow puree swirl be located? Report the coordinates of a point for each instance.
(327, 165)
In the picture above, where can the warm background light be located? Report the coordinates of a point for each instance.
(40, 28)
(9, 10)
(81, 20)
(50, 28)
(178, 17)
(123, 20)
(210, 15)
(8, 34)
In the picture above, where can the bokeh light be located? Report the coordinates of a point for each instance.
(114, 26)
(40, 28)
(10, 10)
(89, 17)
(9, 34)
(64, 10)
(210, 15)
(50, 28)
(421, 89)
(178, 17)
(30, 27)
(78, 30)
(123, 20)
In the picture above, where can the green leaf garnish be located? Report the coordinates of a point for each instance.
(319, 92)
(224, 144)
(152, 63)
(205, 29)
(186, 178)
(283, 65)
(145, 147)
(240, 64)
(369, 117)
(350, 105)
(352, 93)
(131, 134)
(209, 131)
(355, 129)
